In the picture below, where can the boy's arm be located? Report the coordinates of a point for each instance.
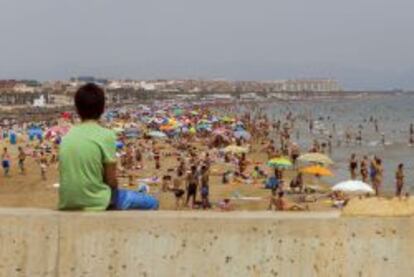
(110, 175)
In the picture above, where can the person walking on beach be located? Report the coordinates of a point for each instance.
(192, 184)
(205, 187)
(399, 178)
(378, 175)
(5, 162)
(21, 158)
(178, 184)
(353, 166)
(43, 165)
(372, 170)
(364, 169)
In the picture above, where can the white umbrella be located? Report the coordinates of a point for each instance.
(353, 186)
(316, 158)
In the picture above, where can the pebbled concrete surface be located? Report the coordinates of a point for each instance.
(167, 243)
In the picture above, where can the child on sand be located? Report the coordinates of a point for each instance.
(43, 165)
(353, 166)
(21, 157)
(5, 158)
(225, 205)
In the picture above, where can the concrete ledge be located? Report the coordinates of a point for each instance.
(50, 243)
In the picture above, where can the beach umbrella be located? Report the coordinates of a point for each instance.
(316, 158)
(242, 134)
(227, 119)
(157, 134)
(131, 132)
(353, 186)
(317, 170)
(168, 127)
(214, 119)
(281, 163)
(192, 131)
(204, 126)
(178, 112)
(235, 149)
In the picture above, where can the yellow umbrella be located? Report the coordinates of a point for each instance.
(317, 170)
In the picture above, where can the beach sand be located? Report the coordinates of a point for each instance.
(30, 190)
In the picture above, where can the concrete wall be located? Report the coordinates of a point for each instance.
(48, 243)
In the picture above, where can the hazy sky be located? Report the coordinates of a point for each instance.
(362, 43)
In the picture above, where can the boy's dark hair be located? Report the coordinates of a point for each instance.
(90, 101)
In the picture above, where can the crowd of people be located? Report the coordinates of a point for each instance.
(102, 147)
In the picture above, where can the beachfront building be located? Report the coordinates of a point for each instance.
(311, 85)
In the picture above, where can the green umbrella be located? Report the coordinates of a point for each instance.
(280, 163)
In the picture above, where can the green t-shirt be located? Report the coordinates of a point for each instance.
(82, 155)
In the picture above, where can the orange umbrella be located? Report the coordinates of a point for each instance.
(317, 170)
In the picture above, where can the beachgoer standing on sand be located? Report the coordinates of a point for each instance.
(157, 159)
(178, 184)
(88, 162)
(242, 165)
(272, 199)
(364, 169)
(192, 184)
(353, 166)
(205, 187)
(378, 176)
(21, 158)
(399, 178)
(138, 157)
(297, 183)
(43, 165)
(376, 125)
(5, 162)
(372, 170)
(294, 154)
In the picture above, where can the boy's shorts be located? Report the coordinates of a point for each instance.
(123, 199)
